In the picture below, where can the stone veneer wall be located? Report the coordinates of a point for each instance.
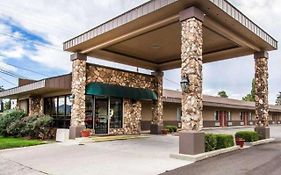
(132, 108)
(261, 89)
(131, 119)
(191, 55)
(157, 105)
(78, 90)
(35, 105)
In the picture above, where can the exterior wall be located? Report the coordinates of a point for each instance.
(132, 109)
(118, 77)
(170, 112)
(132, 118)
(209, 120)
(146, 115)
(23, 105)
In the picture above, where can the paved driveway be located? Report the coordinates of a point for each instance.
(140, 156)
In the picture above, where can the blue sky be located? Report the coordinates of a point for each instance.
(32, 33)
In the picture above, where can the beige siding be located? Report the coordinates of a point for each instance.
(170, 111)
(208, 113)
(23, 105)
(146, 112)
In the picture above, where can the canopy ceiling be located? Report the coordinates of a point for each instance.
(149, 35)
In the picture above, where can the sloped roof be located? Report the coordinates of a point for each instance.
(175, 97)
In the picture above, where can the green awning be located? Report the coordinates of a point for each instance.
(102, 89)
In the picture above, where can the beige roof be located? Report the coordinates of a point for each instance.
(175, 97)
(47, 85)
(148, 36)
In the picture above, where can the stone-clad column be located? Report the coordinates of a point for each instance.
(261, 93)
(191, 141)
(157, 106)
(35, 105)
(191, 68)
(78, 92)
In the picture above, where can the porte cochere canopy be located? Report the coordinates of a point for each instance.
(167, 34)
(149, 36)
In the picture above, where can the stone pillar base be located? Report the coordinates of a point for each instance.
(74, 131)
(155, 129)
(191, 142)
(264, 132)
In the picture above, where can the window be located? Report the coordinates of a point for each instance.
(116, 112)
(242, 115)
(61, 106)
(216, 116)
(250, 116)
(89, 112)
(229, 118)
(60, 109)
(1, 106)
(178, 114)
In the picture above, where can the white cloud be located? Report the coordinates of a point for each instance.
(59, 21)
(52, 58)
(6, 66)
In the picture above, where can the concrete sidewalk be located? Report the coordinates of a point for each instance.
(126, 157)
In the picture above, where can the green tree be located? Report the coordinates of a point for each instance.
(250, 96)
(222, 94)
(7, 105)
(278, 99)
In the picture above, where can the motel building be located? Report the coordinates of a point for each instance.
(158, 35)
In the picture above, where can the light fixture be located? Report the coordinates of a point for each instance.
(155, 46)
(71, 98)
(184, 84)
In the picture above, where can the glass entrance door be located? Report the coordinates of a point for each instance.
(101, 115)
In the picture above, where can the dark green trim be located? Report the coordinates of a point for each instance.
(102, 89)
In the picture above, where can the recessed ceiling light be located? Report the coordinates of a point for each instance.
(155, 46)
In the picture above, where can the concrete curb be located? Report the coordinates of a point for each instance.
(229, 127)
(195, 158)
(259, 142)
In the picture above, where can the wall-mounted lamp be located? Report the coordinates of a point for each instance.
(184, 84)
(71, 98)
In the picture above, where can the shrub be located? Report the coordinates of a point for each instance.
(218, 141)
(38, 126)
(224, 141)
(16, 123)
(171, 128)
(210, 142)
(248, 136)
(15, 128)
(10, 117)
